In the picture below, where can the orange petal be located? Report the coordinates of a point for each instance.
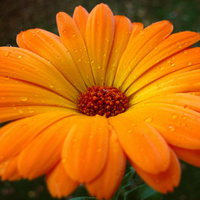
(80, 16)
(171, 45)
(186, 100)
(99, 40)
(183, 61)
(18, 112)
(44, 151)
(20, 133)
(141, 142)
(85, 148)
(178, 125)
(59, 183)
(72, 39)
(164, 181)
(139, 47)
(24, 65)
(179, 82)
(9, 170)
(50, 48)
(19, 93)
(191, 156)
(106, 184)
(121, 36)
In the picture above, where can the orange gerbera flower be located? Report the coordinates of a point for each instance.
(105, 91)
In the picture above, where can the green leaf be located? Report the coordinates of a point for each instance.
(143, 192)
(83, 198)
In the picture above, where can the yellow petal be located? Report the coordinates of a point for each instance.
(99, 40)
(106, 184)
(50, 48)
(139, 47)
(85, 148)
(164, 181)
(141, 142)
(72, 39)
(59, 183)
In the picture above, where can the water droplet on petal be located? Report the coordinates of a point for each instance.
(50, 85)
(149, 119)
(171, 128)
(6, 53)
(73, 35)
(189, 63)
(20, 111)
(19, 56)
(185, 52)
(23, 98)
(174, 116)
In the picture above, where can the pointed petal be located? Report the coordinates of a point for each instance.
(179, 82)
(121, 36)
(99, 39)
(72, 39)
(179, 125)
(191, 156)
(106, 184)
(166, 49)
(44, 151)
(19, 112)
(80, 16)
(9, 170)
(24, 65)
(141, 142)
(50, 48)
(139, 47)
(20, 93)
(85, 148)
(164, 181)
(20, 133)
(59, 183)
(183, 61)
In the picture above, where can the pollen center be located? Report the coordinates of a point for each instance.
(102, 100)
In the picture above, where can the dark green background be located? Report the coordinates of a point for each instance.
(17, 15)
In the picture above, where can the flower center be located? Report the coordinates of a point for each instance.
(102, 100)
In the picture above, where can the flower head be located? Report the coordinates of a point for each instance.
(104, 91)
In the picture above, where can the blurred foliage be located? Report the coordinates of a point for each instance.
(18, 15)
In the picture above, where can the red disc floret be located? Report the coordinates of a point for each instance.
(102, 100)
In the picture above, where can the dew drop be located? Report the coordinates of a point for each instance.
(50, 85)
(173, 64)
(171, 128)
(19, 56)
(161, 68)
(23, 99)
(185, 52)
(6, 53)
(73, 35)
(149, 119)
(174, 116)
(189, 63)
(99, 67)
(20, 111)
